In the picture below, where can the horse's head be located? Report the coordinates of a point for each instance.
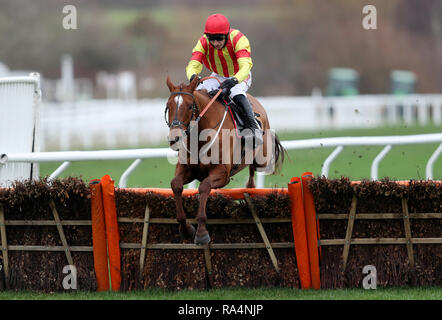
(180, 110)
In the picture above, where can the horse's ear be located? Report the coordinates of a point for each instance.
(194, 83)
(170, 84)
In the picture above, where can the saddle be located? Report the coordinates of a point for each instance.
(235, 111)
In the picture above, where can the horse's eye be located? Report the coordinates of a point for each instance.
(190, 107)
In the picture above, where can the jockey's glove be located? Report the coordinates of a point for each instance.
(192, 77)
(229, 83)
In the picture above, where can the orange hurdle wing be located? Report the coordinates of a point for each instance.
(299, 233)
(99, 236)
(112, 232)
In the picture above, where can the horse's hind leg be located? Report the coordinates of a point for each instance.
(217, 178)
(251, 182)
(182, 176)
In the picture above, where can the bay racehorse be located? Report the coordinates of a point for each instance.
(192, 113)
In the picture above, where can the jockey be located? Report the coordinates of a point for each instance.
(226, 52)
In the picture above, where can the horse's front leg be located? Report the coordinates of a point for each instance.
(183, 175)
(217, 178)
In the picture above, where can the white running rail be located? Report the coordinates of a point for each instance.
(109, 124)
(139, 154)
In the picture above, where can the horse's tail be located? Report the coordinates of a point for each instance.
(280, 153)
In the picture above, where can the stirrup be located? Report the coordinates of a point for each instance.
(258, 139)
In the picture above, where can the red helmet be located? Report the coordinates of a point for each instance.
(217, 24)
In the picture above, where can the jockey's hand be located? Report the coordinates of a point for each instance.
(225, 93)
(229, 83)
(213, 93)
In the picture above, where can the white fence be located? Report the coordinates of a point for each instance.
(91, 124)
(19, 124)
(139, 154)
(112, 124)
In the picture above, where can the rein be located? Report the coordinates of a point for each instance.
(211, 101)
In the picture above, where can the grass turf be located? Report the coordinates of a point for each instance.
(390, 293)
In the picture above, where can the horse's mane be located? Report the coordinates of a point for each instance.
(203, 91)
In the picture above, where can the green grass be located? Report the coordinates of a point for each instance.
(394, 293)
(402, 163)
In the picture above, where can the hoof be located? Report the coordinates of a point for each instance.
(201, 240)
(188, 233)
(251, 186)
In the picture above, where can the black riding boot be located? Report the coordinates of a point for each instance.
(250, 121)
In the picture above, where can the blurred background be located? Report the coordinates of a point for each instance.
(294, 43)
(316, 69)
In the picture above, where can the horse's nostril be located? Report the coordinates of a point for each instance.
(173, 140)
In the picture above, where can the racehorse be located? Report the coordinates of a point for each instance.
(192, 111)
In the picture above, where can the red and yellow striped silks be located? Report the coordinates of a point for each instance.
(234, 60)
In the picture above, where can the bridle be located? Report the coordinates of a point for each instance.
(176, 122)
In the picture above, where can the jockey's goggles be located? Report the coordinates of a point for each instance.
(216, 37)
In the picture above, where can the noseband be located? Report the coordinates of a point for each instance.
(176, 122)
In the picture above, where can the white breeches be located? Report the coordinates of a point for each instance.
(213, 84)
